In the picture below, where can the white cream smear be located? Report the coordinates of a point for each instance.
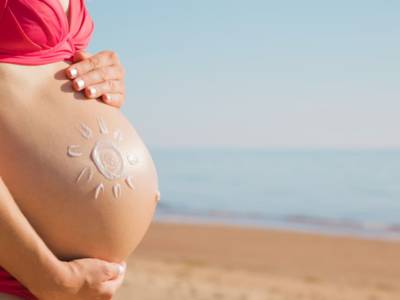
(132, 159)
(73, 151)
(85, 131)
(118, 135)
(102, 126)
(107, 157)
(99, 189)
(117, 190)
(158, 196)
(86, 170)
(129, 182)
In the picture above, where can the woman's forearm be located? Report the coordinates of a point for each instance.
(25, 255)
(22, 252)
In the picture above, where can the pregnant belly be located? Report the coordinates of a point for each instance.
(79, 172)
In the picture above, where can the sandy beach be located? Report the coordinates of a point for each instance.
(177, 261)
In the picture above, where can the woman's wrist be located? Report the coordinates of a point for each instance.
(55, 278)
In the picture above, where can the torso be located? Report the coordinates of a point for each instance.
(43, 126)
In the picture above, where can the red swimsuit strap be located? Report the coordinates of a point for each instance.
(11, 286)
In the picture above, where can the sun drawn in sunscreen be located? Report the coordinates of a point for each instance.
(107, 157)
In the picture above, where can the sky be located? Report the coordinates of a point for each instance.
(257, 73)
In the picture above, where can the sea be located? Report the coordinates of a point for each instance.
(339, 192)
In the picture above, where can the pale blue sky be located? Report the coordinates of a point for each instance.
(258, 73)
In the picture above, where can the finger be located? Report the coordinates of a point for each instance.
(97, 76)
(71, 71)
(101, 59)
(80, 55)
(106, 87)
(116, 100)
(109, 271)
(110, 287)
(113, 99)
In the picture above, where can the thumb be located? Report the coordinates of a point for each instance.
(113, 270)
(80, 55)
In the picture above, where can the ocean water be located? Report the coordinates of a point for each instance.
(330, 191)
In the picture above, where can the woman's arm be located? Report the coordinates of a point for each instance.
(24, 254)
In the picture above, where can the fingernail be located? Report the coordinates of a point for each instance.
(73, 73)
(80, 83)
(92, 91)
(108, 97)
(121, 269)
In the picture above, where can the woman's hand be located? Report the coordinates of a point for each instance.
(98, 76)
(85, 279)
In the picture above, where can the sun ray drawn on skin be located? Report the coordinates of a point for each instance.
(89, 176)
(73, 151)
(117, 190)
(102, 126)
(99, 189)
(85, 130)
(158, 196)
(118, 135)
(132, 159)
(129, 182)
(106, 157)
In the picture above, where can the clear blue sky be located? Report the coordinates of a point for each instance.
(258, 73)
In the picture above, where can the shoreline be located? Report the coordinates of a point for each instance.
(193, 261)
(295, 223)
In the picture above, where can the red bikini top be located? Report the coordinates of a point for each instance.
(37, 32)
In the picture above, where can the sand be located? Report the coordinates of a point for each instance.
(177, 261)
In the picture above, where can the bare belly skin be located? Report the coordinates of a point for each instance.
(77, 168)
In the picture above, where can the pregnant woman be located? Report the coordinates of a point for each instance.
(78, 187)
